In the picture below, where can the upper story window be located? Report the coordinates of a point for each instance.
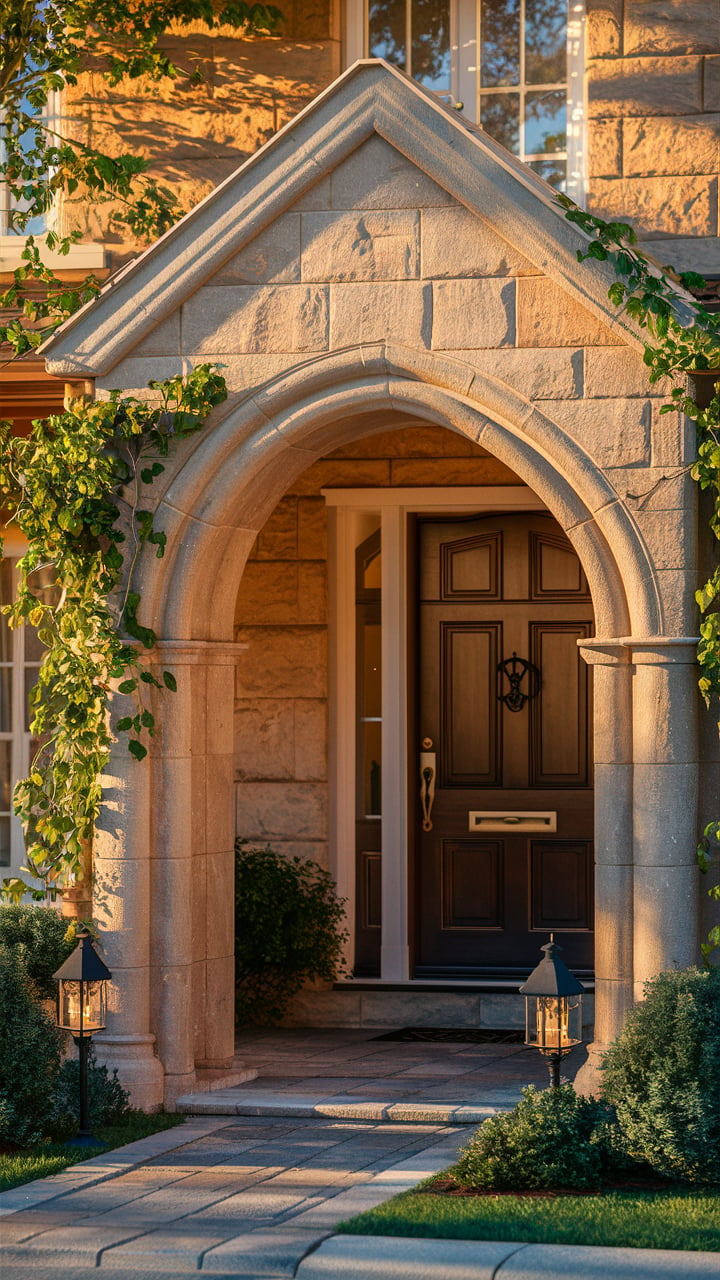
(516, 65)
(12, 206)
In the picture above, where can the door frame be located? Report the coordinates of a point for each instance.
(348, 509)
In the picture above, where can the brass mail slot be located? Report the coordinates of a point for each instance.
(507, 820)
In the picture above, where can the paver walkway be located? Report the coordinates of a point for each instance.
(335, 1123)
(248, 1198)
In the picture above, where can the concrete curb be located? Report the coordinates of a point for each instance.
(395, 1258)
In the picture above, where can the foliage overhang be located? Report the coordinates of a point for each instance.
(74, 488)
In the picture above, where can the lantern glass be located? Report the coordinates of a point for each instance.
(553, 1024)
(81, 1006)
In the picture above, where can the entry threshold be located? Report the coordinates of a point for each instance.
(497, 984)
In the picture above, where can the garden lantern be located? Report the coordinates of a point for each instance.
(553, 1009)
(81, 1011)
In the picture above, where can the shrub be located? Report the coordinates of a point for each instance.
(552, 1139)
(661, 1075)
(30, 1061)
(108, 1102)
(288, 929)
(43, 939)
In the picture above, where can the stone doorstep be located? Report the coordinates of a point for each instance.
(307, 1107)
(209, 1079)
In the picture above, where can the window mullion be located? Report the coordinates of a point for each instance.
(521, 105)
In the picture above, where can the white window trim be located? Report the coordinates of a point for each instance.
(81, 257)
(345, 509)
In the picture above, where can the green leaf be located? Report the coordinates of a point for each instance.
(169, 681)
(125, 723)
(127, 686)
(137, 749)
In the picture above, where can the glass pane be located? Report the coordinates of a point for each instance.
(372, 758)
(6, 676)
(42, 585)
(5, 787)
(386, 37)
(499, 43)
(34, 650)
(31, 675)
(371, 702)
(500, 116)
(6, 595)
(545, 121)
(430, 62)
(553, 171)
(545, 41)
(4, 842)
(372, 572)
(28, 139)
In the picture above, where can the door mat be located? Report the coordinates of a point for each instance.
(458, 1035)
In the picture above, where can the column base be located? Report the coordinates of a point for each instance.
(139, 1071)
(589, 1078)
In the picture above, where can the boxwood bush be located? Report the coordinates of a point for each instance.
(108, 1102)
(553, 1139)
(43, 939)
(31, 1054)
(662, 1076)
(288, 930)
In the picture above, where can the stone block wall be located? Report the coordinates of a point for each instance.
(193, 135)
(653, 71)
(654, 122)
(281, 767)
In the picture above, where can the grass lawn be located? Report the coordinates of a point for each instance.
(17, 1167)
(672, 1218)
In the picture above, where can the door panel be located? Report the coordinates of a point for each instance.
(491, 589)
(559, 738)
(468, 662)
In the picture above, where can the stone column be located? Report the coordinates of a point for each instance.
(612, 697)
(666, 705)
(122, 907)
(192, 867)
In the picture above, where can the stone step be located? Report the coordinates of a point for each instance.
(265, 1102)
(368, 1005)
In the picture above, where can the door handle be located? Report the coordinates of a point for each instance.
(427, 787)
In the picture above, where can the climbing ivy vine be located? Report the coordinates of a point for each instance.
(683, 338)
(75, 488)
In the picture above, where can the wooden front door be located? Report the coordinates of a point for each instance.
(508, 855)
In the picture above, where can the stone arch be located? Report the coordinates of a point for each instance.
(212, 508)
(221, 496)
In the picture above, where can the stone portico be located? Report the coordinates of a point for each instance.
(398, 309)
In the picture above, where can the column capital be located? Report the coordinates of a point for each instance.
(640, 650)
(650, 650)
(186, 653)
(604, 651)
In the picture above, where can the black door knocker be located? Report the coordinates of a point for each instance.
(515, 670)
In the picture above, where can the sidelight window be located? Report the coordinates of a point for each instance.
(20, 657)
